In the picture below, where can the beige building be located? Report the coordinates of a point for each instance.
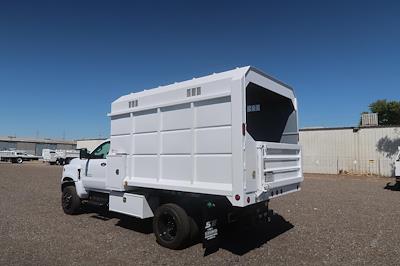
(34, 145)
(364, 150)
(89, 144)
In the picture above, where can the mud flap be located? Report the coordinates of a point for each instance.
(210, 226)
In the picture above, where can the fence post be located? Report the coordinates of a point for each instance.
(337, 165)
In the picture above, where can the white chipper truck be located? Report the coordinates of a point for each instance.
(193, 155)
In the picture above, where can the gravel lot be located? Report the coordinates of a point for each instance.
(333, 220)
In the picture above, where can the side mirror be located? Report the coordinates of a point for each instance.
(84, 154)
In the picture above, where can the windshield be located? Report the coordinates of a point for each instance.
(101, 151)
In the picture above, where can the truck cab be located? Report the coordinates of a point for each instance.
(89, 171)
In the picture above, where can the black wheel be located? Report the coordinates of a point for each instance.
(194, 230)
(171, 226)
(70, 201)
(19, 160)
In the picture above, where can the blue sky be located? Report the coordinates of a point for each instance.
(62, 63)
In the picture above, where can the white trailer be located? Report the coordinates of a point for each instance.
(59, 157)
(202, 152)
(17, 156)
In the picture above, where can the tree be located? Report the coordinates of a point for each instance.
(388, 111)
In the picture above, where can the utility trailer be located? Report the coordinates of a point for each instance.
(17, 156)
(59, 157)
(193, 155)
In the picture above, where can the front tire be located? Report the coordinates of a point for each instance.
(19, 160)
(171, 226)
(70, 201)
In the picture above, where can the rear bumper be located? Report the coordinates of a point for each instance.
(250, 213)
(277, 191)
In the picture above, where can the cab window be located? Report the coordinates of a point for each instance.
(101, 151)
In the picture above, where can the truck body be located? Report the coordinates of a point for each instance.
(17, 156)
(59, 157)
(217, 147)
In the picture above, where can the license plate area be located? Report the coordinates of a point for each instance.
(268, 176)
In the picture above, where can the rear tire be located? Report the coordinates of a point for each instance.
(19, 160)
(70, 201)
(194, 231)
(171, 226)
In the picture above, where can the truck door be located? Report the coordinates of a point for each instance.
(95, 172)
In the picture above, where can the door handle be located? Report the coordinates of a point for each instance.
(103, 164)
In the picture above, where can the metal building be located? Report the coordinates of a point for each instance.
(365, 150)
(89, 144)
(34, 146)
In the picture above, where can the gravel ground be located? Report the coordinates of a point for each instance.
(333, 220)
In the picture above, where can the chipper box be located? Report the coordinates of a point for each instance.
(193, 155)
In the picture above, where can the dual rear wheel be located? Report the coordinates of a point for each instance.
(172, 226)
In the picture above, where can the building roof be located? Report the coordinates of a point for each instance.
(342, 128)
(35, 140)
(89, 139)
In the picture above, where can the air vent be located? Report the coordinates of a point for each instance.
(253, 108)
(133, 103)
(193, 92)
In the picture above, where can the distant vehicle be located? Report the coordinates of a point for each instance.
(397, 167)
(17, 156)
(193, 155)
(59, 157)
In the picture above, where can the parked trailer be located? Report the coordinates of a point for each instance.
(17, 156)
(194, 154)
(59, 157)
